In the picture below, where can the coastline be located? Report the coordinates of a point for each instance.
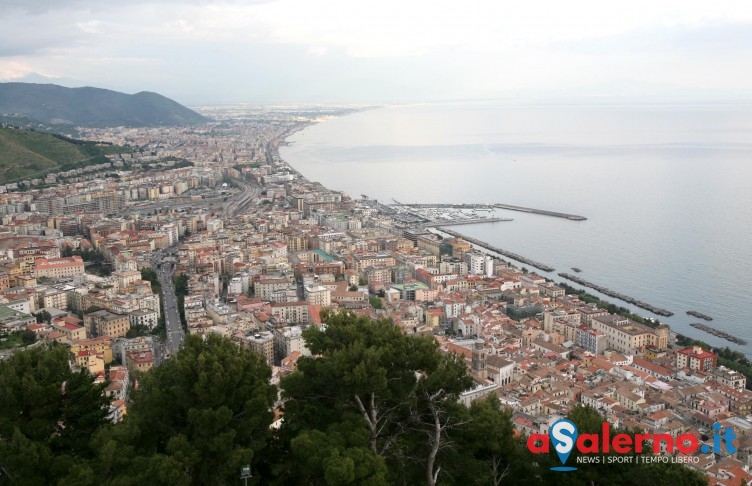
(678, 327)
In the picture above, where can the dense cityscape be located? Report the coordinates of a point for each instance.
(205, 230)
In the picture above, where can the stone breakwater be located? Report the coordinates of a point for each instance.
(508, 254)
(699, 315)
(717, 333)
(611, 293)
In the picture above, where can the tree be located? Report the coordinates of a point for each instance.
(197, 418)
(43, 316)
(487, 451)
(376, 393)
(48, 415)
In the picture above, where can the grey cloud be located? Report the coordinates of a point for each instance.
(41, 6)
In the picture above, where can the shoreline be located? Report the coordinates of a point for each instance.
(743, 348)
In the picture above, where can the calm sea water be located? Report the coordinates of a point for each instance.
(666, 190)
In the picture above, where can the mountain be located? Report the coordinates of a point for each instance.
(26, 154)
(93, 107)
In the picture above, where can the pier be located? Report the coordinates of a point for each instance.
(618, 295)
(508, 254)
(572, 217)
(486, 207)
(717, 333)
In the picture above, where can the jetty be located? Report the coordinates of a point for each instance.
(699, 315)
(611, 293)
(489, 207)
(717, 333)
(508, 254)
(572, 217)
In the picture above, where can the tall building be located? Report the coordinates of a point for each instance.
(58, 267)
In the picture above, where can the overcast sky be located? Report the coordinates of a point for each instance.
(202, 52)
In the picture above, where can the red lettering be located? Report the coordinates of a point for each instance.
(606, 431)
(622, 442)
(683, 447)
(538, 443)
(638, 440)
(657, 438)
(592, 448)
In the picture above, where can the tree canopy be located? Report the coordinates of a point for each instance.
(370, 406)
(196, 419)
(47, 415)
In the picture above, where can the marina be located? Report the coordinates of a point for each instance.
(717, 333)
(491, 207)
(611, 293)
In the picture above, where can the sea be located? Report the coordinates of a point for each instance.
(666, 190)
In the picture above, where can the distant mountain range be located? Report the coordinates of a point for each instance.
(93, 107)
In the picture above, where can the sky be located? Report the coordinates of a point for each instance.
(362, 51)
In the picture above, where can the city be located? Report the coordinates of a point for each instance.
(121, 265)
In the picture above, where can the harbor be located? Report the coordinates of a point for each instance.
(715, 332)
(491, 207)
(611, 293)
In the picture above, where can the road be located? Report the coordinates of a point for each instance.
(174, 328)
(165, 271)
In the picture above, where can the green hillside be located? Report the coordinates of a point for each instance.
(93, 107)
(26, 154)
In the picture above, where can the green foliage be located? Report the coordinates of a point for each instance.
(195, 419)
(375, 302)
(608, 306)
(48, 414)
(181, 290)
(17, 339)
(519, 313)
(29, 154)
(374, 393)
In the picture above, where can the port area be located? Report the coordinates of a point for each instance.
(612, 293)
(508, 254)
(721, 334)
(440, 215)
(488, 207)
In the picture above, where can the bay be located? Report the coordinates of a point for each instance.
(665, 188)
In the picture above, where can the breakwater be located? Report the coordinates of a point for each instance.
(573, 217)
(544, 212)
(508, 254)
(717, 333)
(438, 224)
(699, 315)
(611, 293)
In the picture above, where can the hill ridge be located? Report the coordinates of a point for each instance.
(93, 107)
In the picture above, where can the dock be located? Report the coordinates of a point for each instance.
(508, 254)
(486, 207)
(572, 217)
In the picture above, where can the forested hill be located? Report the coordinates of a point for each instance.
(29, 154)
(93, 107)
